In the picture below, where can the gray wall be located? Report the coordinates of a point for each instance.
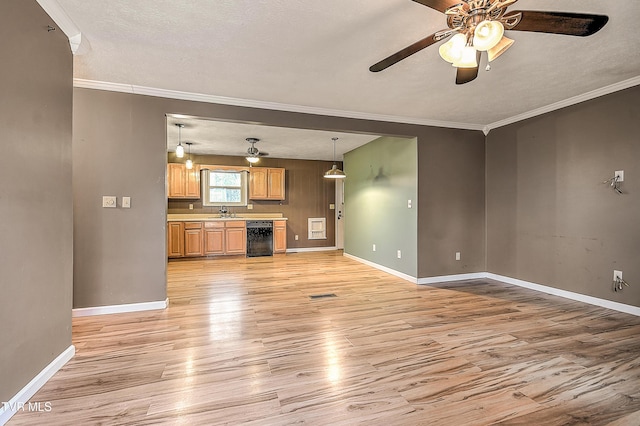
(451, 210)
(35, 195)
(550, 219)
(382, 176)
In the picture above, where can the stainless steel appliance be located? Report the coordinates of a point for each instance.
(259, 238)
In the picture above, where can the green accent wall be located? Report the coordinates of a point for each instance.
(382, 177)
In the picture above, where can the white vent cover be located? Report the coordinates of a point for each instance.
(317, 227)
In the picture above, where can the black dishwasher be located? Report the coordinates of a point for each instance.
(259, 238)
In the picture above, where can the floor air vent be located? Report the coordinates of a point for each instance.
(322, 296)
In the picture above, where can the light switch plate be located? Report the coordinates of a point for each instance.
(126, 202)
(249, 206)
(620, 175)
(332, 206)
(109, 201)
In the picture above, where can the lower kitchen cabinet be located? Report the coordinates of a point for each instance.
(235, 234)
(213, 238)
(175, 239)
(279, 236)
(193, 239)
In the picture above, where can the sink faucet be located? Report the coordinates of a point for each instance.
(223, 210)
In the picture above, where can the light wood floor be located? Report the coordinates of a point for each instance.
(242, 342)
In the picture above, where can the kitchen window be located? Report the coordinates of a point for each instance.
(224, 188)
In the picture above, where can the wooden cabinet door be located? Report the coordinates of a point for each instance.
(177, 180)
(192, 183)
(175, 239)
(193, 242)
(213, 241)
(276, 184)
(235, 240)
(193, 239)
(258, 183)
(279, 236)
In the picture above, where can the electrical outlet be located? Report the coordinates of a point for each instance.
(457, 255)
(374, 247)
(190, 206)
(296, 238)
(332, 206)
(399, 254)
(249, 206)
(616, 275)
(126, 202)
(409, 204)
(620, 175)
(109, 201)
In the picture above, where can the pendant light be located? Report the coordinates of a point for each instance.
(189, 163)
(335, 172)
(180, 148)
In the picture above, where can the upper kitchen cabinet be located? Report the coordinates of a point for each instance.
(183, 183)
(266, 183)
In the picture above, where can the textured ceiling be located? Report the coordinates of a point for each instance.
(317, 54)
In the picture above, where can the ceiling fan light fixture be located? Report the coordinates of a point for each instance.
(499, 48)
(451, 51)
(252, 158)
(468, 58)
(487, 34)
(253, 152)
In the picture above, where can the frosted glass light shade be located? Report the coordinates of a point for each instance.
(179, 151)
(487, 34)
(451, 51)
(499, 48)
(468, 59)
(189, 164)
(252, 159)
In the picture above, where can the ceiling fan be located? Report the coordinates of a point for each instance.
(253, 153)
(478, 26)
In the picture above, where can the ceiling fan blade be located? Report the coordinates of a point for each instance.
(575, 24)
(404, 53)
(440, 5)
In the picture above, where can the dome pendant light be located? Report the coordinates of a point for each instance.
(334, 172)
(189, 163)
(180, 148)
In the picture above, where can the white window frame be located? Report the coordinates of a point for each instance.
(206, 202)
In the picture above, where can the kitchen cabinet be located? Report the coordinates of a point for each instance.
(266, 183)
(235, 235)
(279, 236)
(213, 238)
(193, 239)
(182, 182)
(175, 239)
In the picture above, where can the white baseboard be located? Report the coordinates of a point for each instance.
(448, 278)
(309, 249)
(119, 309)
(616, 306)
(22, 397)
(383, 268)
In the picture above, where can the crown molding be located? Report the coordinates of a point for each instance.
(616, 87)
(198, 97)
(78, 43)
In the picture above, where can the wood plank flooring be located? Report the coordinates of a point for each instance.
(242, 342)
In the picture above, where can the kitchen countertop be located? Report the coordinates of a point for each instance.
(218, 217)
